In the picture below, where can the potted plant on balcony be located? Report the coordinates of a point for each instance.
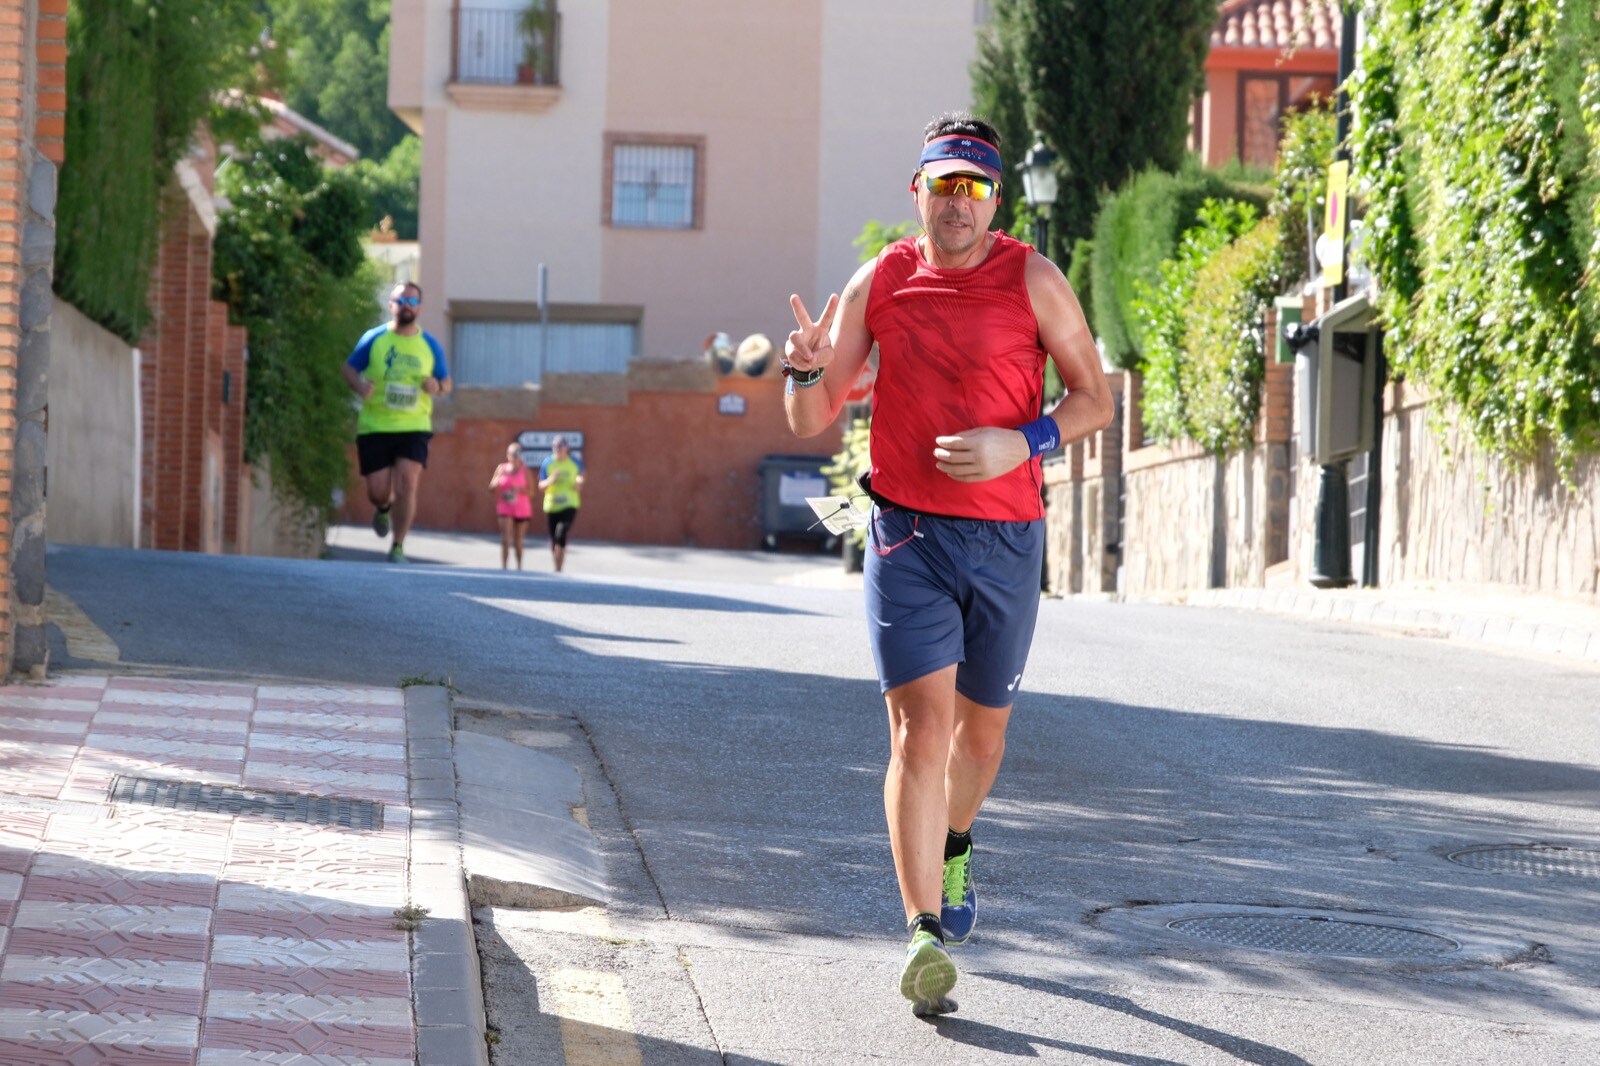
(535, 26)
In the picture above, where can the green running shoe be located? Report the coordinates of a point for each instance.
(958, 911)
(380, 523)
(928, 977)
(397, 554)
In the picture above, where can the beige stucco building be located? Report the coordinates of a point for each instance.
(680, 168)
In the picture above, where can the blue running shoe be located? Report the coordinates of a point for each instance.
(929, 976)
(958, 911)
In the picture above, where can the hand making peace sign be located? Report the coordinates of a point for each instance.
(811, 345)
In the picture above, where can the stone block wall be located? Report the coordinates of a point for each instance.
(1453, 513)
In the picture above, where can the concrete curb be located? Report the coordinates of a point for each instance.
(1552, 638)
(446, 985)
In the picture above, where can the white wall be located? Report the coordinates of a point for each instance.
(93, 449)
(888, 67)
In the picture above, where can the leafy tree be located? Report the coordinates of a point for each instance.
(1108, 83)
(393, 186)
(289, 264)
(336, 68)
(997, 95)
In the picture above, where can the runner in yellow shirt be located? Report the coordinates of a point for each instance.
(397, 369)
(560, 476)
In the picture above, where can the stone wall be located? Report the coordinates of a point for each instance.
(1452, 513)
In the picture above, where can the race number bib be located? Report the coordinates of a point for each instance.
(400, 397)
(559, 499)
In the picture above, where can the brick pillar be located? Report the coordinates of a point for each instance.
(30, 148)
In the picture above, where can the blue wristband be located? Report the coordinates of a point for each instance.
(1043, 435)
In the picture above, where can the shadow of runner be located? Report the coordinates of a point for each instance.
(1004, 1041)
(1239, 1047)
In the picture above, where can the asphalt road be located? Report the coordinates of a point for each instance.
(1164, 763)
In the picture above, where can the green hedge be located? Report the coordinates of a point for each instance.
(1224, 347)
(1300, 184)
(1137, 228)
(140, 78)
(1163, 309)
(1475, 155)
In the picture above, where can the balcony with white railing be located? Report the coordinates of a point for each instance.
(506, 58)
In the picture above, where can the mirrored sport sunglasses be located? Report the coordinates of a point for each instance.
(970, 185)
(407, 301)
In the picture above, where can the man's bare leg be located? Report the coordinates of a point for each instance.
(921, 717)
(380, 487)
(977, 745)
(408, 475)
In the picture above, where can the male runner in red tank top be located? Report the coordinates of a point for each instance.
(964, 320)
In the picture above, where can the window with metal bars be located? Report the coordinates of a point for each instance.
(653, 185)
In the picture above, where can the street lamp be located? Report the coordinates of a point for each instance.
(1039, 187)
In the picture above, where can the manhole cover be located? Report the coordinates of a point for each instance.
(225, 799)
(1312, 935)
(1539, 860)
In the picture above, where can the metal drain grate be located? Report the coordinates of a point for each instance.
(226, 799)
(1310, 935)
(1539, 860)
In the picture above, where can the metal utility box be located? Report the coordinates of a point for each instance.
(1336, 371)
(1290, 311)
(786, 482)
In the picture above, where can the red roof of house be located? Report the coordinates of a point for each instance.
(1279, 24)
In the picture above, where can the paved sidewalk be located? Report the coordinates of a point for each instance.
(260, 920)
(1544, 624)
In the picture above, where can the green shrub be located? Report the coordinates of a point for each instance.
(1468, 137)
(289, 265)
(1163, 311)
(1224, 348)
(1137, 229)
(1300, 184)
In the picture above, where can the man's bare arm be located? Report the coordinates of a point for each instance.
(841, 347)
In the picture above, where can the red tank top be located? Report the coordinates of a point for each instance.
(957, 349)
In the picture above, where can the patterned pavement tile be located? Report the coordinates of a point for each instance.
(288, 953)
(372, 697)
(210, 1056)
(262, 743)
(316, 722)
(311, 1038)
(164, 698)
(79, 1053)
(111, 1028)
(153, 936)
(298, 1009)
(308, 981)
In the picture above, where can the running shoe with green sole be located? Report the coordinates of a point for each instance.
(928, 977)
(958, 911)
(380, 523)
(397, 554)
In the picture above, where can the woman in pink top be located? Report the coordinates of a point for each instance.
(512, 503)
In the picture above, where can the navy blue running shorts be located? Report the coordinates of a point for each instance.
(953, 590)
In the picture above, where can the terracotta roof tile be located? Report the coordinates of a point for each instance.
(1277, 24)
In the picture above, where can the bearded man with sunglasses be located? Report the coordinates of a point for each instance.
(964, 319)
(397, 369)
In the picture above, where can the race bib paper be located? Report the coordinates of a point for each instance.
(400, 397)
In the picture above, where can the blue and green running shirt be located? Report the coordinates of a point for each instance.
(564, 493)
(397, 366)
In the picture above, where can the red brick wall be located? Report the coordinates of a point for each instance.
(187, 347)
(665, 468)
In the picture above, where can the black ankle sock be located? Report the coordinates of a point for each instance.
(929, 922)
(385, 508)
(955, 843)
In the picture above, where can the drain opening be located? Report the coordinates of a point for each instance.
(1312, 935)
(255, 803)
(1537, 860)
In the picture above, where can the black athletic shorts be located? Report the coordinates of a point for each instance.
(561, 524)
(378, 451)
